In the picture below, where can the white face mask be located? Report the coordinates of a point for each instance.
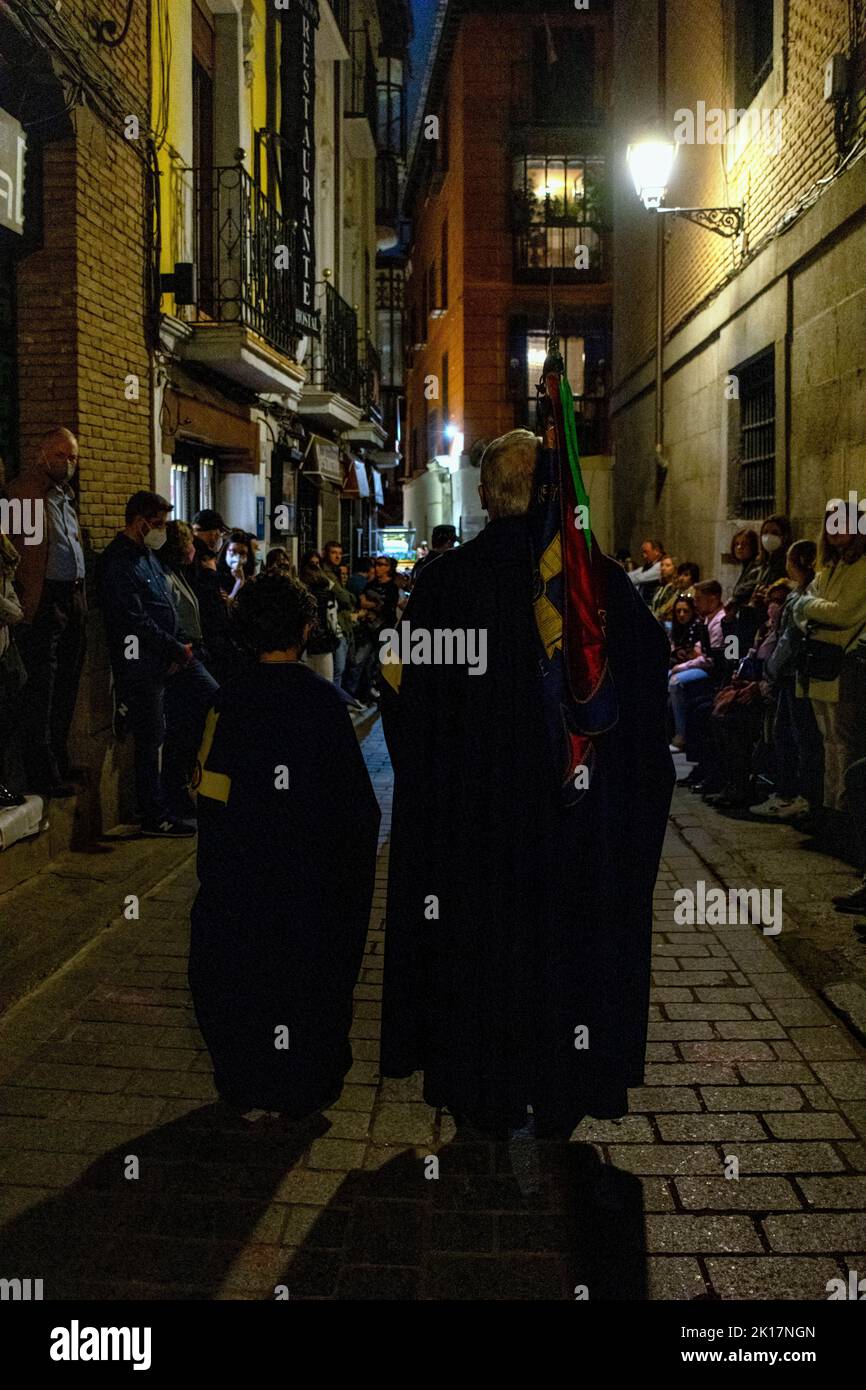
(155, 538)
(234, 561)
(770, 542)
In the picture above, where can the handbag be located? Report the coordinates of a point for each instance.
(13, 673)
(819, 661)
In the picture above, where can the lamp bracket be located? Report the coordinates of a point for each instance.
(726, 222)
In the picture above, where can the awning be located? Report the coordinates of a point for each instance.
(230, 435)
(356, 484)
(323, 460)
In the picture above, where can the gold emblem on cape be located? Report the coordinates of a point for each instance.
(548, 618)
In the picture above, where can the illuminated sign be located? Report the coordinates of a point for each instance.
(13, 146)
(298, 130)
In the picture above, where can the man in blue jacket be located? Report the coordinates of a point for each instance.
(141, 623)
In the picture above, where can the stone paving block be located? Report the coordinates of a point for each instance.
(656, 1099)
(738, 1051)
(752, 1098)
(340, 1154)
(844, 1080)
(844, 1193)
(728, 995)
(55, 1170)
(474, 1277)
(772, 1157)
(708, 1012)
(403, 1124)
(667, 977)
(804, 1012)
(755, 1029)
(665, 995)
(632, 1129)
(61, 1078)
(680, 1032)
(695, 966)
(741, 1194)
(25, 1100)
(778, 987)
(666, 1159)
(855, 1154)
(781, 1073)
(713, 1128)
(661, 1052)
(701, 1234)
(688, 948)
(141, 1110)
(690, 1074)
(815, 1233)
(356, 1098)
(189, 1085)
(768, 1278)
(828, 1044)
(348, 1124)
(808, 1124)
(818, 1097)
(673, 1278)
(305, 1185)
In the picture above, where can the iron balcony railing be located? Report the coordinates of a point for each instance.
(335, 364)
(361, 94)
(245, 255)
(371, 382)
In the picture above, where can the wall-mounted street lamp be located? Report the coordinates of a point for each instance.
(651, 163)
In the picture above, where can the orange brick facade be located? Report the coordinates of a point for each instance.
(488, 69)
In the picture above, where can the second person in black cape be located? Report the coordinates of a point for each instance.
(288, 825)
(517, 960)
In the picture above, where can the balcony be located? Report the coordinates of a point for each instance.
(332, 396)
(361, 100)
(387, 201)
(243, 324)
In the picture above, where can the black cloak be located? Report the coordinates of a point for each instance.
(512, 923)
(286, 882)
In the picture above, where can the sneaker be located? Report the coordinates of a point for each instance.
(677, 743)
(168, 830)
(789, 810)
(770, 807)
(855, 902)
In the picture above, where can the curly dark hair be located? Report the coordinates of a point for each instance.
(271, 612)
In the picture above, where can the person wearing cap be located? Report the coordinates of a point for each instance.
(209, 526)
(833, 612)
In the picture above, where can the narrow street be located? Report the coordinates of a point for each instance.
(120, 1178)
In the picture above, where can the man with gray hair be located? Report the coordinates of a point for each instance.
(519, 926)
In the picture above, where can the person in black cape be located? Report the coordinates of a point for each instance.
(281, 916)
(517, 960)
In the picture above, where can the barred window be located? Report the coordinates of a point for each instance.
(757, 451)
(559, 207)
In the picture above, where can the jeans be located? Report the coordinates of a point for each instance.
(188, 696)
(680, 695)
(798, 747)
(145, 703)
(340, 658)
(357, 678)
(52, 648)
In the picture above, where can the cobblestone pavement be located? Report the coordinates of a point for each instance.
(106, 1077)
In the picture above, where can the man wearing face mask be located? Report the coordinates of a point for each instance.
(50, 582)
(141, 623)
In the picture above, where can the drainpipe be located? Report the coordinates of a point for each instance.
(661, 465)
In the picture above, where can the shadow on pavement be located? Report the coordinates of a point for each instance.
(205, 1217)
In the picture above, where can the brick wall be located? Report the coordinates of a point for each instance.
(81, 297)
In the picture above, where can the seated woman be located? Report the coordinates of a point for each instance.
(280, 920)
(662, 601)
(685, 630)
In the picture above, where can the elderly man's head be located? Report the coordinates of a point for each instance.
(507, 474)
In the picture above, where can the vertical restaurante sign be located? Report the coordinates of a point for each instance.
(13, 144)
(300, 19)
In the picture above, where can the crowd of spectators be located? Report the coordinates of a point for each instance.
(767, 686)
